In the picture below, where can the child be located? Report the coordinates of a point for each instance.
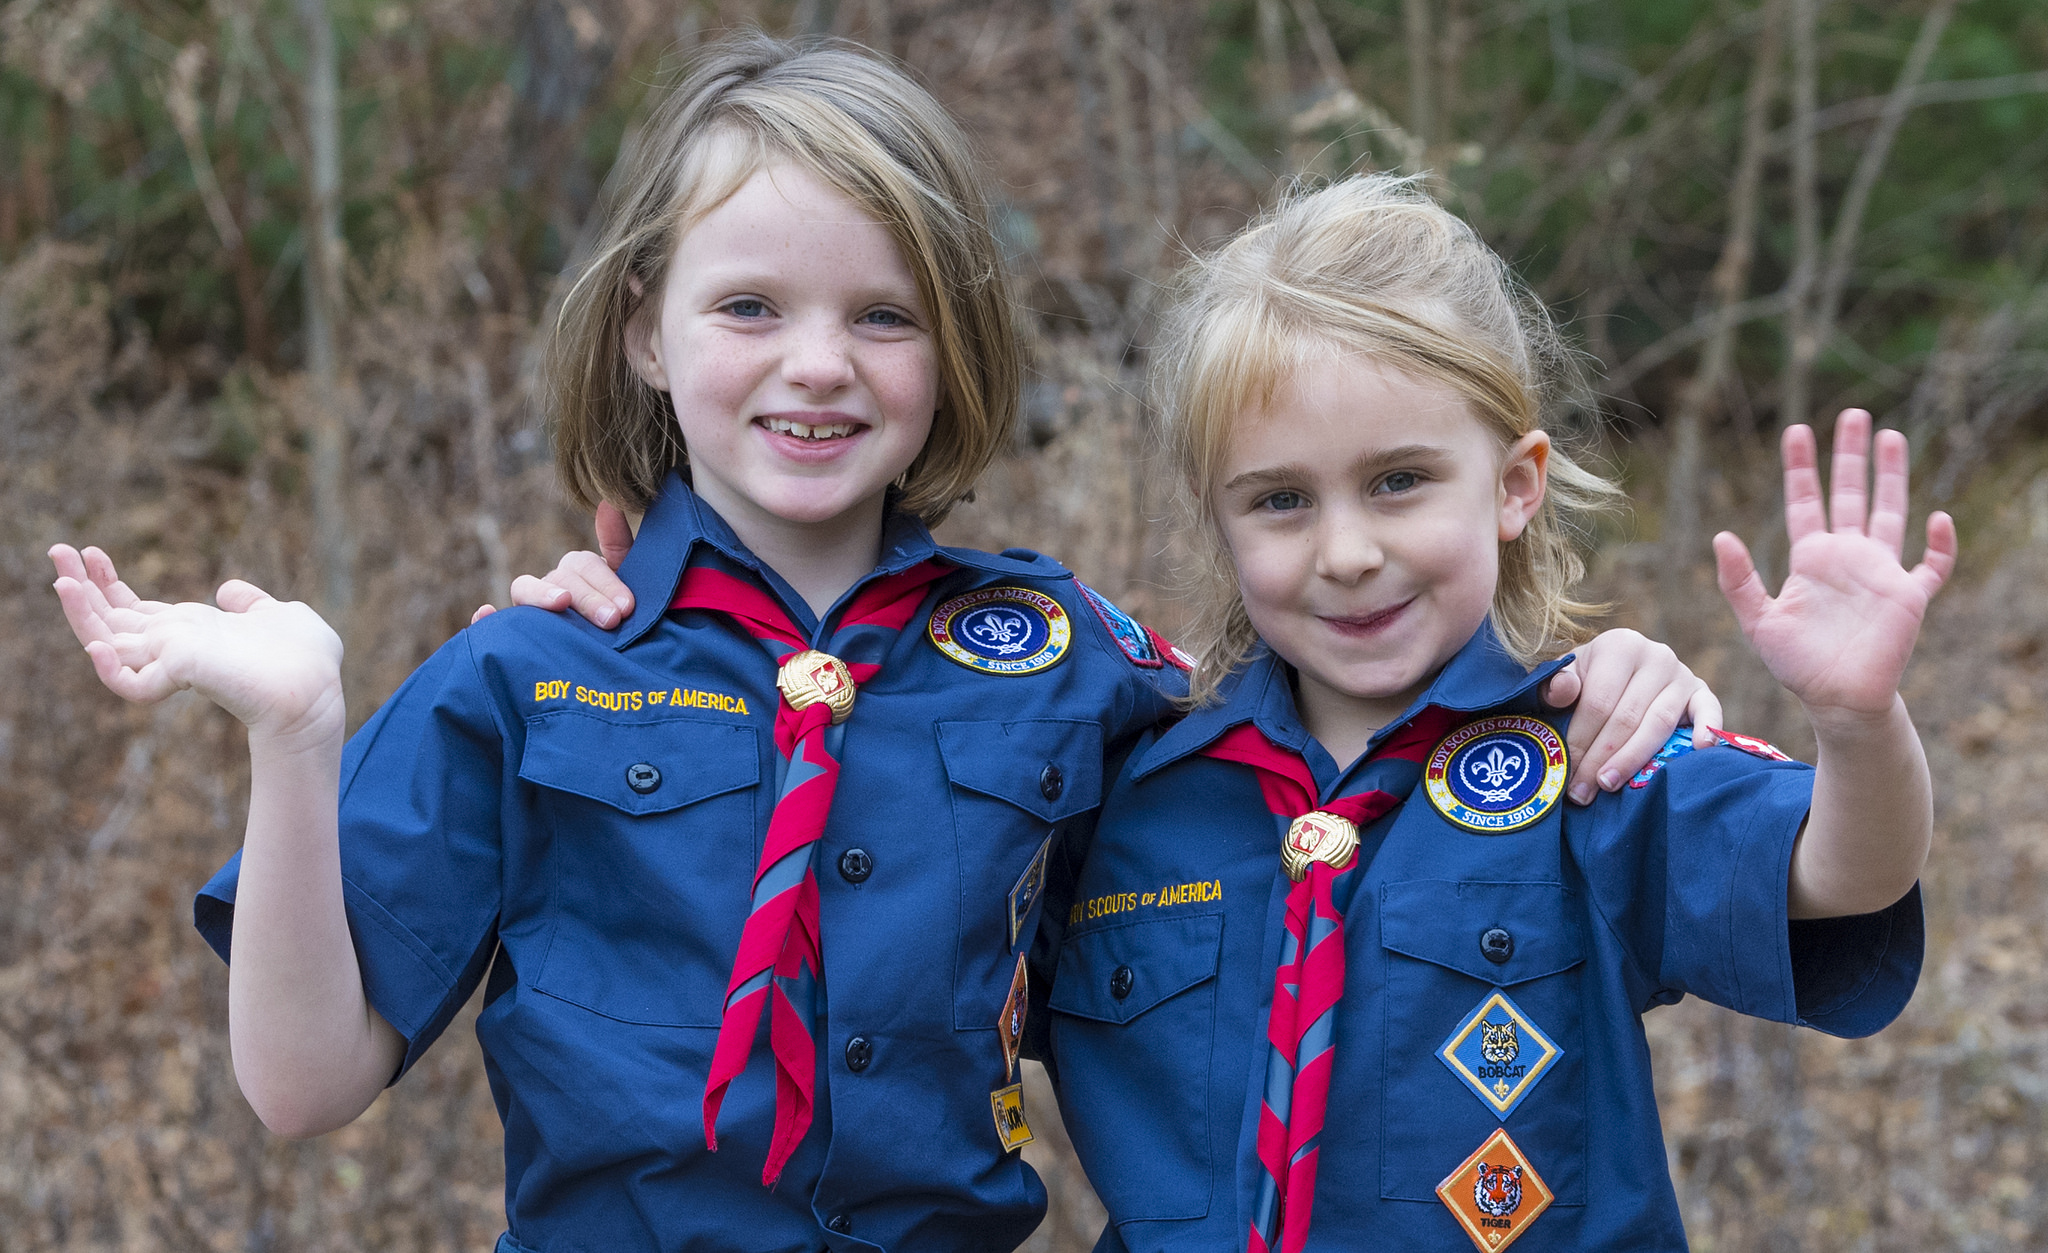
(797, 304)
(1422, 1017)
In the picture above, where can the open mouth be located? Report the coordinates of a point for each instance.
(816, 432)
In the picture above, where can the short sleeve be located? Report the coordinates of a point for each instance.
(421, 787)
(1693, 870)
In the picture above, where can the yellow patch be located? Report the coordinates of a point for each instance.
(633, 701)
(1007, 1105)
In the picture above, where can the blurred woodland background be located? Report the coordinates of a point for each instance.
(270, 277)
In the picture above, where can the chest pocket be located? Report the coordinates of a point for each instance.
(1134, 1016)
(1013, 785)
(655, 834)
(1450, 947)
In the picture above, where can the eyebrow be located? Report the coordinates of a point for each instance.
(1427, 456)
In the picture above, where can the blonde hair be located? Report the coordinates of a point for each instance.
(865, 129)
(1370, 265)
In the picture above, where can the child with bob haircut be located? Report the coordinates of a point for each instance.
(794, 351)
(1337, 970)
(748, 882)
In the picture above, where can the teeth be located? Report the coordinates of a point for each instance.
(805, 430)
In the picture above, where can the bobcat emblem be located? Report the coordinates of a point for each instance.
(1497, 1190)
(1497, 1042)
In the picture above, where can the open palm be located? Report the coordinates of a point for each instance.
(274, 665)
(1841, 629)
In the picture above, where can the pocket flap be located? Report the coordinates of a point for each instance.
(602, 759)
(1444, 922)
(1149, 962)
(1049, 767)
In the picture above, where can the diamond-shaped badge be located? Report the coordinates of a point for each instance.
(1499, 1053)
(1496, 1194)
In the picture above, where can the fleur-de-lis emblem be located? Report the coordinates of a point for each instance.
(1495, 767)
(1004, 633)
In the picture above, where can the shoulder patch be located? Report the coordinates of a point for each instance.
(1679, 744)
(1002, 630)
(1496, 775)
(1135, 641)
(1751, 745)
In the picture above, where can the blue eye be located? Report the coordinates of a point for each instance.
(885, 317)
(748, 308)
(1400, 481)
(1282, 502)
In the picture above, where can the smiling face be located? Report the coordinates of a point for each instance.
(1364, 509)
(791, 337)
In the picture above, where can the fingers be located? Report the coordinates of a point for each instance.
(100, 568)
(1940, 559)
(614, 534)
(145, 686)
(1643, 723)
(1703, 711)
(485, 611)
(1737, 575)
(1889, 495)
(1804, 513)
(1561, 690)
(538, 594)
(80, 611)
(1849, 473)
(582, 582)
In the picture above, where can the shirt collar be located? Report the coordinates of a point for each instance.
(1481, 675)
(679, 520)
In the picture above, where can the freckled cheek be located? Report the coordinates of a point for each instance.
(904, 378)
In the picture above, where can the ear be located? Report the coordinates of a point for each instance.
(641, 344)
(1524, 474)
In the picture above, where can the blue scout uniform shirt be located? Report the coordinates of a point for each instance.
(488, 823)
(1173, 923)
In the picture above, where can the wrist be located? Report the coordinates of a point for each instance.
(317, 728)
(1847, 724)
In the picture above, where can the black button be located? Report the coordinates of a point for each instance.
(855, 865)
(1498, 945)
(1120, 982)
(841, 1224)
(859, 1053)
(642, 777)
(1051, 782)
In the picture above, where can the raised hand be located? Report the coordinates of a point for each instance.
(1631, 693)
(1839, 632)
(583, 580)
(274, 665)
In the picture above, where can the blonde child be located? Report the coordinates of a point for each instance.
(748, 882)
(1338, 971)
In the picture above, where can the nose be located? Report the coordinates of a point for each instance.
(1347, 546)
(818, 356)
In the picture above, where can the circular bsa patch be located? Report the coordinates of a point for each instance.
(1497, 774)
(1002, 630)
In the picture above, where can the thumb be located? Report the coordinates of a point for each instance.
(614, 534)
(236, 596)
(1739, 580)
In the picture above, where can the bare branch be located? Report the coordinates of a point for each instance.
(1800, 328)
(1849, 219)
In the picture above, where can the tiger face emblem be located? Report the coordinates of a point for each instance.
(1497, 1042)
(1497, 1190)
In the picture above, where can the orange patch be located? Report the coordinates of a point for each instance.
(1496, 1194)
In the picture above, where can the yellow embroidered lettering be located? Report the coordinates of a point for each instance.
(657, 698)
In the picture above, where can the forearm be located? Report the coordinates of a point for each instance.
(309, 1052)
(1867, 835)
